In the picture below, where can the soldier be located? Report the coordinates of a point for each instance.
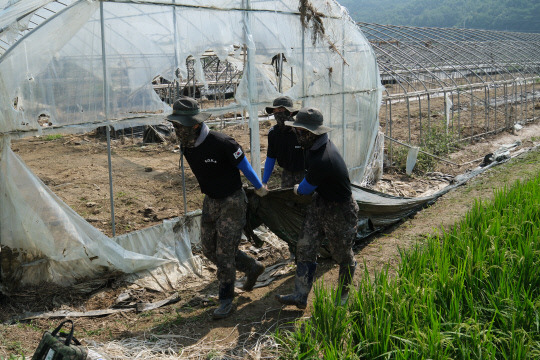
(215, 159)
(283, 146)
(333, 213)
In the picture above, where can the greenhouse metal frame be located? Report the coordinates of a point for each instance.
(470, 83)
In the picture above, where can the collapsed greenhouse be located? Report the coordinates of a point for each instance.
(87, 64)
(70, 67)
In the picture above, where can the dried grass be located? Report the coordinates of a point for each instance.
(311, 18)
(166, 346)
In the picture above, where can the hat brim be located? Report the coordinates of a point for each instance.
(315, 129)
(270, 109)
(188, 120)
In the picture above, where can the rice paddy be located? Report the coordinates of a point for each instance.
(472, 292)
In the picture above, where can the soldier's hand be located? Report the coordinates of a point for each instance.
(295, 189)
(265, 185)
(261, 191)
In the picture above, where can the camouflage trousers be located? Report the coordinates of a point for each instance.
(222, 223)
(290, 178)
(335, 221)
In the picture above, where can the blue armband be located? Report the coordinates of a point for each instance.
(249, 173)
(305, 188)
(268, 168)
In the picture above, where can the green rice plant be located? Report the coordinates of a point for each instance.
(329, 319)
(472, 292)
(298, 344)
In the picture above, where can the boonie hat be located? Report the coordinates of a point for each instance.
(311, 119)
(186, 112)
(282, 101)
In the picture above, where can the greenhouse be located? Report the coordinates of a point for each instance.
(467, 83)
(73, 66)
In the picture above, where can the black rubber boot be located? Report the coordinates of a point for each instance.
(346, 273)
(251, 267)
(226, 296)
(305, 272)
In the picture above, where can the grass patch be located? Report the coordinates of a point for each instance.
(53, 137)
(469, 293)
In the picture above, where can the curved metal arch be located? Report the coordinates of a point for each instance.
(429, 50)
(456, 44)
(391, 73)
(516, 47)
(34, 16)
(398, 77)
(422, 32)
(437, 79)
(428, 38)
(442, 59)
(517, 43)
(404, 66)
(499, 40)
(458, 33)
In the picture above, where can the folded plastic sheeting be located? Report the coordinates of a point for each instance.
(283, 212)
(43, 240)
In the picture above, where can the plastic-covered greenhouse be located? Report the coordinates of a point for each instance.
(85, 64)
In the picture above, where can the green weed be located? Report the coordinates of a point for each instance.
(436, 141)
(53, 137)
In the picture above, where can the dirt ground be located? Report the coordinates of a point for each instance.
(147, 189)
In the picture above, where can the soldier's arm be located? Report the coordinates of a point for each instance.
(268, 168)
(304, 188)
(249, 173)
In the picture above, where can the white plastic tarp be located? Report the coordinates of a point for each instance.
(55, 244)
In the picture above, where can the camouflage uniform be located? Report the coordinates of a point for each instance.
(221, 230)
(291, 178)
(336, 221)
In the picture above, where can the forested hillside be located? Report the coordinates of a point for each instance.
(509, 15)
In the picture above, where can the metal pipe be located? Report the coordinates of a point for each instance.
(390, 121)
(506, 106)
(303, 65)
(495, 107)
(429, 112)
(472, 115)
(106, 105)
(253, 115)
(280, 77)
(534, 102)
(176, 73)
(486, 109)
(420, 118)
(459, 115)
(343, 119)
(409, 119)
